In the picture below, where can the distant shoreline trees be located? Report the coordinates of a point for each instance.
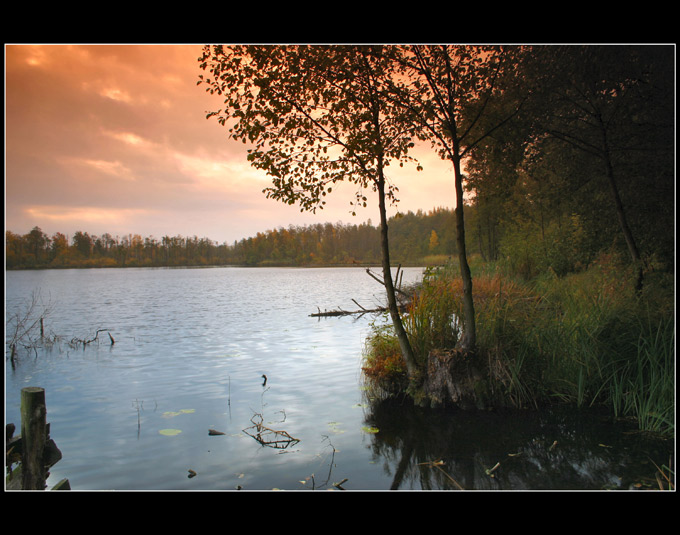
(319, 244)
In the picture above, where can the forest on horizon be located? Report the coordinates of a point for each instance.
(415, 236)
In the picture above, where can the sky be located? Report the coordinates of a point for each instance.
(114, 139)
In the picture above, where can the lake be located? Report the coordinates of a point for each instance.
(191, 349)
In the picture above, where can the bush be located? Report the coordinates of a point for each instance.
(384, 368)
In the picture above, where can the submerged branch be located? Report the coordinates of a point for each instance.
(405, 298)
(340, 312)
(76, 341)
(269, 437)
(397, 288)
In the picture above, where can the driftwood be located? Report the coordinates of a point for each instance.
(341, 312)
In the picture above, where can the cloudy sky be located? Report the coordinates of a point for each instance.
(114, 138)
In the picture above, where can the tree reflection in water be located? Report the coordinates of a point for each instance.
(556, 449)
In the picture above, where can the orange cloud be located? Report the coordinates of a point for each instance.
(114, 138)
(111, 168)
(83, 214)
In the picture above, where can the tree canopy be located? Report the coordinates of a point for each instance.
(314, 116)
(317, 115)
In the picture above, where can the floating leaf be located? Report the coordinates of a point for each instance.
(335, 428)
(172, 414)
(370, 429)
(170, 432)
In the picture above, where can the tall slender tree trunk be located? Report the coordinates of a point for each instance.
(393, 307)
(468, 341)
(620, 211)
(480, 238)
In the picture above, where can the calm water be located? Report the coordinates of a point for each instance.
(191, 348)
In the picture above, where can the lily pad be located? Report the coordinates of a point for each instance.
(170, 432)
(171, 414)
(335, 428)
(370, 429)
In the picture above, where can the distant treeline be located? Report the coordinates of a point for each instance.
(414, 236)
(526, 237)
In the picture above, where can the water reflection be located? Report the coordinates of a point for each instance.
(560, 449)
(196, 344)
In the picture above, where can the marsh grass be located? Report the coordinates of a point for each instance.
(641, 382)
(431, 317)
(583, 339)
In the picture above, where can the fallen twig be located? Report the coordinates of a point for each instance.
(339, 484)
(269, 437)
(437, 464)
(490, 471)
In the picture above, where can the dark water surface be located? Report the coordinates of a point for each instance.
(191, 347)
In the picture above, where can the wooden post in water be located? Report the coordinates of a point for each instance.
(34, 437)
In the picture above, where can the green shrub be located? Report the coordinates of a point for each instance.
(384, 369)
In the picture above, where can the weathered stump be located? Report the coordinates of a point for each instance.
(33, 451)
(453, 378)
(34, 437)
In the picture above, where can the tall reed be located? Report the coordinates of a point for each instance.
(641, 383)
(431, 318)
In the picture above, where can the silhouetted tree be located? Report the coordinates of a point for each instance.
(451, 92)
(317, 115)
